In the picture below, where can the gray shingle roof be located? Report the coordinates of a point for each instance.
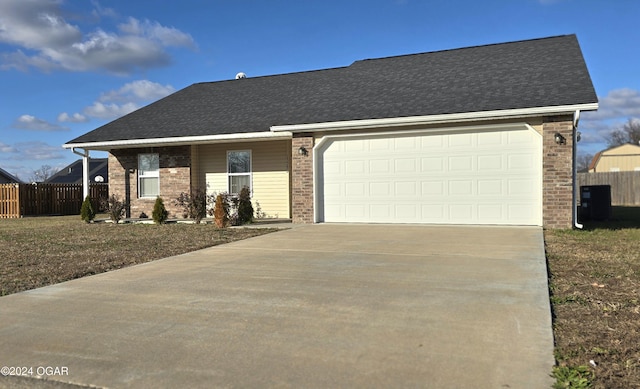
(526, 74)
(72, 174)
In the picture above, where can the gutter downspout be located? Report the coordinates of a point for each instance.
(574, 170)
(85, 171)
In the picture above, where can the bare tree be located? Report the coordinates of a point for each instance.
(583, 161)
(628, 133)
(42, 174)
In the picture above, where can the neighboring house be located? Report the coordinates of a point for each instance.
(624, 158)
(7, 178)
(72, 174)
(478, 135)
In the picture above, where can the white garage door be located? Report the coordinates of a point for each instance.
(467, 177)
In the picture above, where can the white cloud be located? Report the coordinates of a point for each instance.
(109, 111)
(617, 104)
(35, 24)
(46, 41)
(5, 148)
(40, 151)
(75, 118)
(29, 122)
(99, 10)
(36, 150)
(167, 36)
(126, 99)
(140, 90)
(615, 109)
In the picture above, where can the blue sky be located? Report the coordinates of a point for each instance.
(67, 67)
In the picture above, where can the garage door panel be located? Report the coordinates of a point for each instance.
(520, 161)
(490, 139)
(461, 163)
(460, 140)
(518, 187)
(380, 211)
(378, 166)
(354, 167)
(490, 162)
(461, 188)
(432, 164)
(405, 143)
(432, 143)
(405, 165)
(482, 177)
(355, 211)
(433, 188)
(433, 213)
(490, 188)
(461, 212)
(380, 144)
(354, 189)
(380, 189)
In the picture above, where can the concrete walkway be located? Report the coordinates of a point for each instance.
(318, 306)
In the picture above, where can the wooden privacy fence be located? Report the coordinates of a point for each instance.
(17, 200)
(625, 186)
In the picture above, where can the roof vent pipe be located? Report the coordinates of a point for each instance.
(240, 75)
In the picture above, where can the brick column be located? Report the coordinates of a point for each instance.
(302, 179)
(557, 195)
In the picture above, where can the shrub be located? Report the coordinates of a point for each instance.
(194, 204)
(245, 209)
(87, 214)
(115, 208)
(221, 210)
(160, 213)
(259, 213)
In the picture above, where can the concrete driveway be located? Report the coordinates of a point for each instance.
(315, 306)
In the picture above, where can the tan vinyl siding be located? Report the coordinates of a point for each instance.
(624, 158)
(622, 163)
(270, 172)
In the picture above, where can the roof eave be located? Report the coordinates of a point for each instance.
(179, 141)
(436, 119)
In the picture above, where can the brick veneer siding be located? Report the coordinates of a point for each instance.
(557, 185)
(175, 177)
(302, 180)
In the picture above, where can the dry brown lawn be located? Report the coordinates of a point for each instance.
(595, 295)
(40, 251)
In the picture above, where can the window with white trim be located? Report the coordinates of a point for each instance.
(148, 175)
(238, 170)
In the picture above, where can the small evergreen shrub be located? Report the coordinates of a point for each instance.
(245, 209)
(221, 210)
(87, 214)
(115, 208)
(160, 213)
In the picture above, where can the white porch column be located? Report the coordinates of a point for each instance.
(85, 174)
(85, 171)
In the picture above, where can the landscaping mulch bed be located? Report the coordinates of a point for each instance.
(595, 296)
(41, 251)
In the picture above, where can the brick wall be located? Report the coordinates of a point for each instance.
(302, 179)
(175, 177)
(557, 188)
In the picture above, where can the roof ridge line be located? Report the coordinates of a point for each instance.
(464, 48)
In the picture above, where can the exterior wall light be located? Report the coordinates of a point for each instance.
(559, 138)
(302, 151)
